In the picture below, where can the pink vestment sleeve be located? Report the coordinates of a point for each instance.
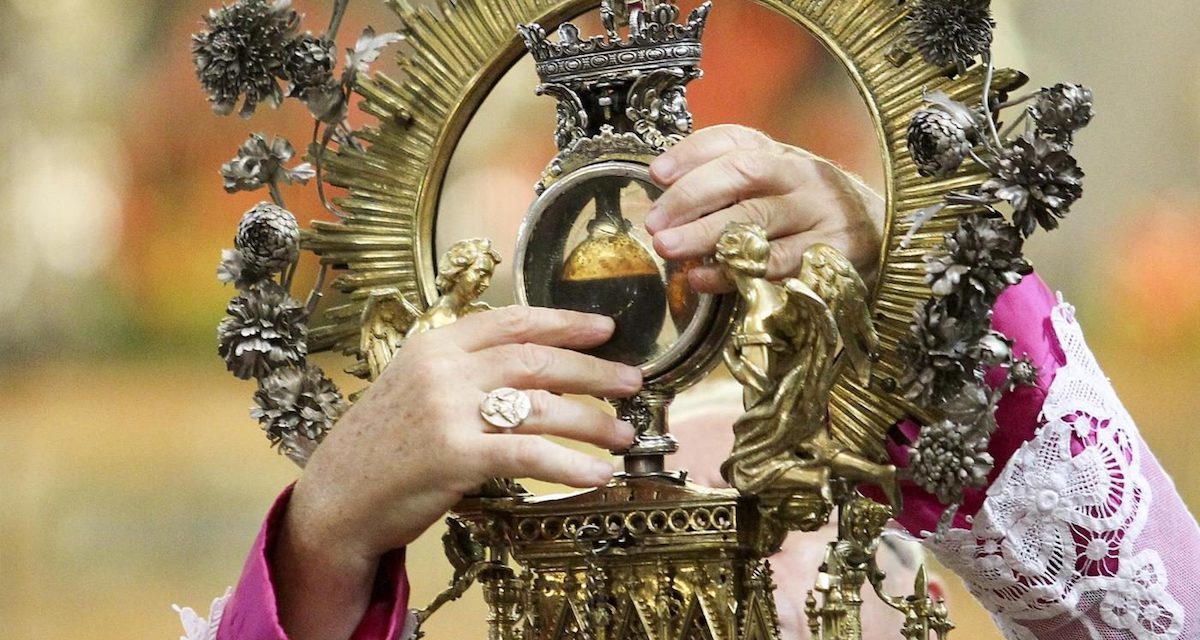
(1022, 313)
(1079, 534)
(252, 612)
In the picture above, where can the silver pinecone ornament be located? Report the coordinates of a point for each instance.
(937, 142)
(308, 65)
(268, 238)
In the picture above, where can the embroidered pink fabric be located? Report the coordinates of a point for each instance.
(1080, 535)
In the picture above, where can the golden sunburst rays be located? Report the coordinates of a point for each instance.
(455, 53)
(865, 35)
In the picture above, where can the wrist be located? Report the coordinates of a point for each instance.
(323, 585)
(321, 527)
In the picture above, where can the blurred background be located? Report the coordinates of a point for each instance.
(132, 476)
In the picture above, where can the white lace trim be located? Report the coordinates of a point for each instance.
(197, 628)
(1056, 535)
(408, 631)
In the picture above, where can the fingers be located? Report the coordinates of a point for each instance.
(529, 456)
(699, 238)
(785, 259)
(520, 324)
(703, 146)
(553, 415)
(725, 180)
(709, 279)
(535, 366)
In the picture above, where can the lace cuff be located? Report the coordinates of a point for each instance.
(1081, 535)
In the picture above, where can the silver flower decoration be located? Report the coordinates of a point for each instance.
(994, 349)
(1022, 373)
(263, 331)
(327, 101)
(946, 459)
(973, 408)
(937, 143)
(268, 238)
(260, 163)
(368, 48)
(240, 54)
(1062, 110)
(297, 401)
(939, 355)
(308, 65)
(951, 32)
(1039, 178)
(233, 269)
(981, 258)
(298, 448)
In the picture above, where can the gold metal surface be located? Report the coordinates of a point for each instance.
(688, 574)
(608, 252)
(849, 564)
(790, 346)
(459, 50)
(654, 557)
(464, 273)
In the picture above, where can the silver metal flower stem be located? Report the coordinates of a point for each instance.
(987, 99)
(314, 296)
(276, 196)
(285, 278)
(972, 199)
(289, 274)
(1017, 101)
(319, 165)
(981, 161)
(335, 20)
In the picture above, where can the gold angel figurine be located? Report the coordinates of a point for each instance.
(464, 273)
(787, 352)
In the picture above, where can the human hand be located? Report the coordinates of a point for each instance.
(414, 444)
(731, 173)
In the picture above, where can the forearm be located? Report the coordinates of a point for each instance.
(322, 588)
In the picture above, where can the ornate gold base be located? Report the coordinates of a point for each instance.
(656, 558)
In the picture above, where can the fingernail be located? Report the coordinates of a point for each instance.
(604, 323)
(668, 239)
(601, 472)
(656, 219)
(663, 167)
(632, 376)
(625, 432)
